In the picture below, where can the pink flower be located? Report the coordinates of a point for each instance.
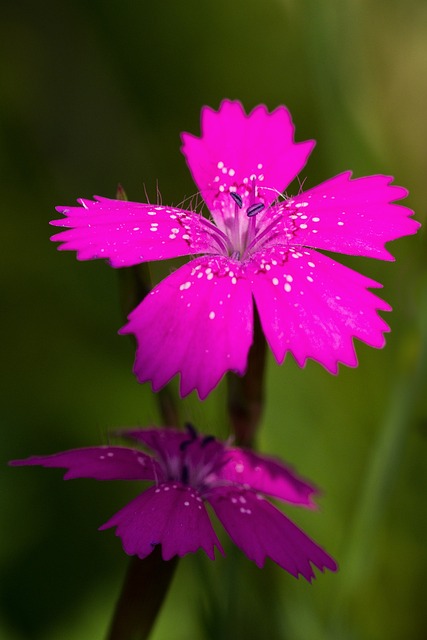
(188, 470)
(258, 245)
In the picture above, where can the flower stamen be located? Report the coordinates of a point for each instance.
(206, 440)
(237, 199)
(254, 209)
(185, 474)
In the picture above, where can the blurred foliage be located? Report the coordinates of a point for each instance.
(96, 93)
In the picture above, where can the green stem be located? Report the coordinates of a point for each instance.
(246, 393)
(147, 581)
(144, 589)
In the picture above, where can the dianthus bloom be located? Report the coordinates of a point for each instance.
(199, 321)
(188, 470)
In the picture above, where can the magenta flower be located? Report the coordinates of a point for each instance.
(199, 321)
(188, 470)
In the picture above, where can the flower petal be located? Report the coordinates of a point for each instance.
(163, 440)
(100, 463)
(203, 454)
(262, 531)
(350, 216)
(235, 148)
(197, 322)
(127, 233)
(313, 307)
(268, 475)
(172, 515)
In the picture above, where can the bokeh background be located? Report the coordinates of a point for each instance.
(96, 93)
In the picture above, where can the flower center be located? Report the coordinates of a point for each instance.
(195, 461)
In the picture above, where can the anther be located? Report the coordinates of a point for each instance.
(237, 199)
(193, 436)
(206, 440)
(254, 209)
(192, 432)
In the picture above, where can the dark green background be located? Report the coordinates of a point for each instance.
(96, 93)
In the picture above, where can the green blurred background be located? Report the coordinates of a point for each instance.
(95, 93)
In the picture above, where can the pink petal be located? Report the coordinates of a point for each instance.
(172, 515)
(196, 322)
(127, 233)
(101, 463)
(235, 146)
(267, 475)
(351, 216)
(261, 531)
(313, 307)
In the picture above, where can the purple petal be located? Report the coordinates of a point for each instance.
(205, 452)
(235, 148)
(350, 216)
(165, 441)
(100, 463)
(268, 475)
(313, 307)
(197, 322)
(262, 531)
(172, 515)
(127, 233)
